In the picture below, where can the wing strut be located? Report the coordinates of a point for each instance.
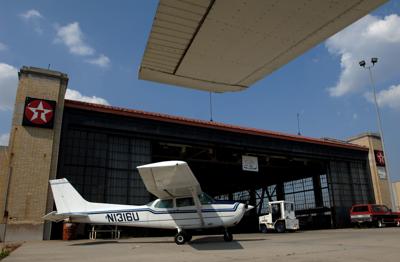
(196, 200)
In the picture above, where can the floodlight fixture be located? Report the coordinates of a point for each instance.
(362, 63)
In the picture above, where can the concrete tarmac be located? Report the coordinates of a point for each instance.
(381, 244)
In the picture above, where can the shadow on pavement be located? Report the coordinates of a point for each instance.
(200, 243)
(104, 242)
(214, 243)
(217, 243)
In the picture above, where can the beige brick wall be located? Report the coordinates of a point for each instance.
(3, 179)
(33, 150)
(396, 187)
(381, 186)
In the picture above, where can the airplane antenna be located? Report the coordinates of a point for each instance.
(298, 124)
(211, 113)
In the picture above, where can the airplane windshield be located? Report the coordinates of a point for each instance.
(206, 199)
(150, 204)
(164, 203)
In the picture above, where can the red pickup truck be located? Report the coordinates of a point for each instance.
(373, 215)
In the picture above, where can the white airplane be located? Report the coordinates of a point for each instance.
(181, 204)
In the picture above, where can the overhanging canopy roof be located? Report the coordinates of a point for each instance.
(227, 45)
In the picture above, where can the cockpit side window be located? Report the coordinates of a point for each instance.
(165, 203)
(206, 199)
(184, 202)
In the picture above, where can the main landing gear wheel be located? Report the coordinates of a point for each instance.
(180, 238)
(228, 237)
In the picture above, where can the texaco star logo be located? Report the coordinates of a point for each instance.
(380, 158)
(39, 112)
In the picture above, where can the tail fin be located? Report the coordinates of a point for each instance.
(66, 197)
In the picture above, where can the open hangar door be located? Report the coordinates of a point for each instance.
(101, 146)
(220, 172)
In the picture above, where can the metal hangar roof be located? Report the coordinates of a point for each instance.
(227, 45)
(131, 113)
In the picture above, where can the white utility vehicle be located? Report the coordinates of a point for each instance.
(280, 217)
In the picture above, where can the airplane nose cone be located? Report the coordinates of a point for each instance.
(248, 207)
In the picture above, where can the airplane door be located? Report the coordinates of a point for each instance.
(186, 207)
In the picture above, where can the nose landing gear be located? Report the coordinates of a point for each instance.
(228, 237)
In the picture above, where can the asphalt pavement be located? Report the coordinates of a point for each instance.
(367, 244)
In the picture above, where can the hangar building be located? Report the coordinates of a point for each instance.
(97, 148)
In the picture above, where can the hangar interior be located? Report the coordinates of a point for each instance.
(101, 146)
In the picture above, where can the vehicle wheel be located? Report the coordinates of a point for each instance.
(263, 229)
(379, 224)
(180, 238)
(398, 223)
(228, 237)
(280, 227)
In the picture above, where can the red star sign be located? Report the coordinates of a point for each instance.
(39, 112)
(380, 158)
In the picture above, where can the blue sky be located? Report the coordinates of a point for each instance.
(99, 44)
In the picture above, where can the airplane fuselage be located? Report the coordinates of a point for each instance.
(213, 215)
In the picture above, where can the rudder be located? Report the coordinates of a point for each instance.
(66, 197)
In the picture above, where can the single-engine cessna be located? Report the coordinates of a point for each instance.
(181, 204)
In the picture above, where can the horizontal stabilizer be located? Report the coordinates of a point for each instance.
(55, 217)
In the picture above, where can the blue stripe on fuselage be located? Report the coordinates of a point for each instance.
(233, 209)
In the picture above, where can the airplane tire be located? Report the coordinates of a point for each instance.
(280, 227)
(180, 238)
(228, 237)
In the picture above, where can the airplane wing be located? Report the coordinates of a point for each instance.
(169, 179)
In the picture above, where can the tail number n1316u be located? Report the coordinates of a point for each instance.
(122, 217)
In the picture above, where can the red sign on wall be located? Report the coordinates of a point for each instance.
(379, 158)
(39, 112)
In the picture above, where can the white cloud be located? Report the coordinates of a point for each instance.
(369, 37)
(33, 16)
(72, 36)
(4, 139)
(76, 95)
(8, 86)
(102, 61)
(389, 97)
(3, 47)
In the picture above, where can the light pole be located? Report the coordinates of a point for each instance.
(362, 63)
